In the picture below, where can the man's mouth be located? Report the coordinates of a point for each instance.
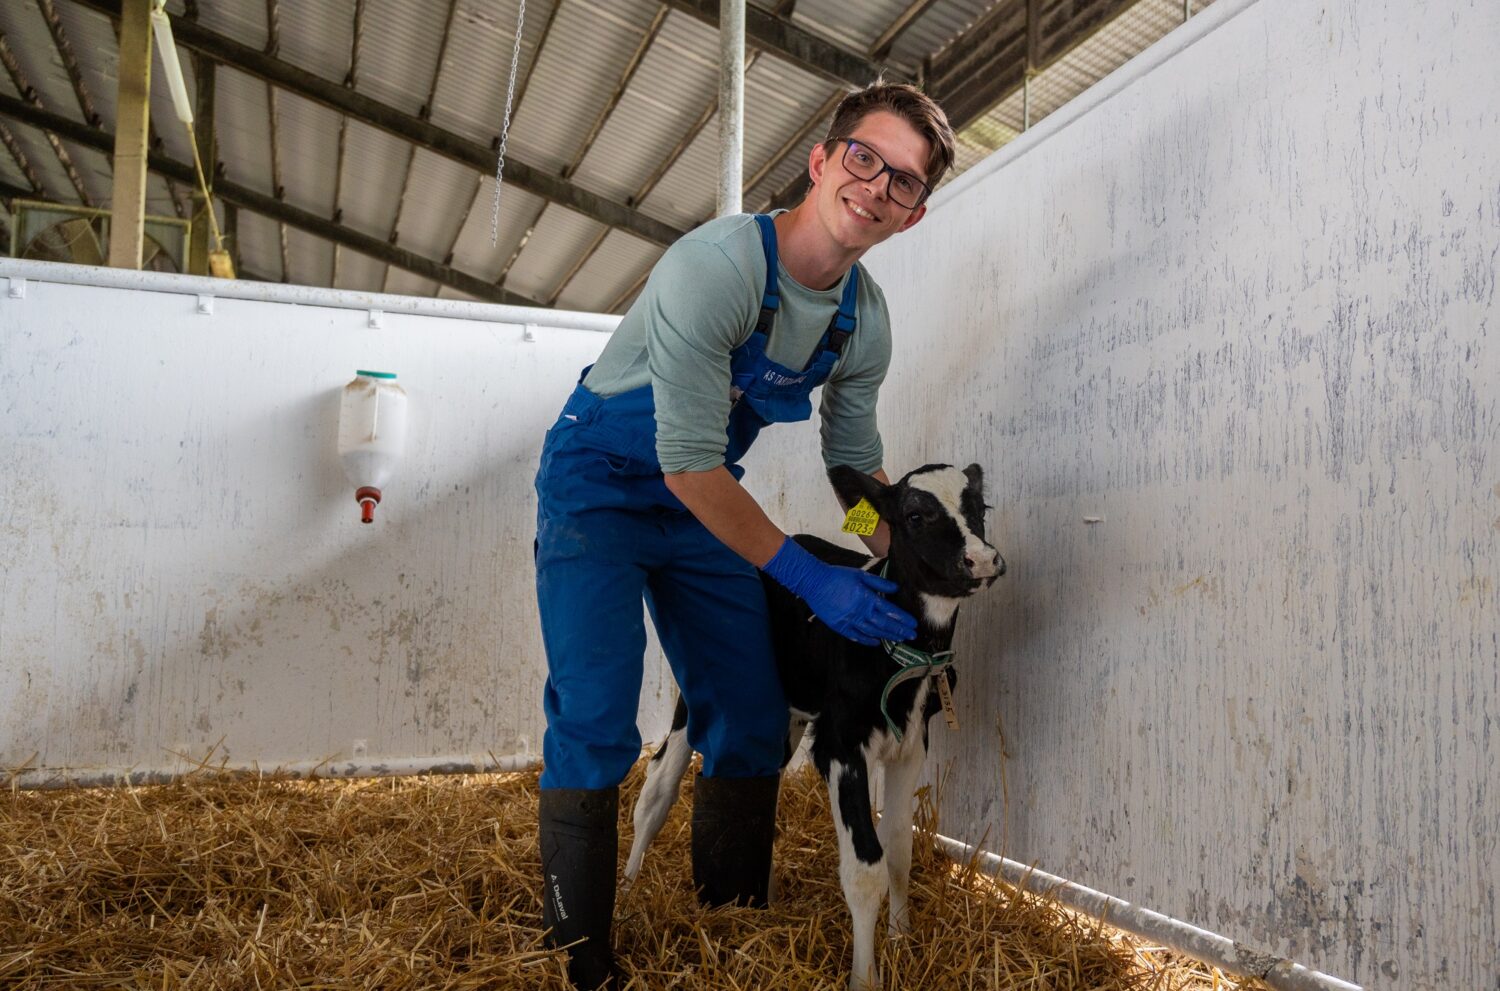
(861, 212)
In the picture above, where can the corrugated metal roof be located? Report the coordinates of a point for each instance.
(568, 79)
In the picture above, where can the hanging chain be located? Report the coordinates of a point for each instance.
(510, 92)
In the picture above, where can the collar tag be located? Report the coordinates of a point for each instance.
(945, 695)
(862, 519)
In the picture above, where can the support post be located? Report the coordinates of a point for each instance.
(1033, 57)
(127, 226)
(731, 104)
(203, 135)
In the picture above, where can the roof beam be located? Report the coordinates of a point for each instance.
(350, 78)
(988, 62)
(411, 152)
(272, 208)
(18, 155)
(898, 27)
(779, 8)
(796, 44)
(408, 127)
(69, 60)
(29, 94)
(536, 218)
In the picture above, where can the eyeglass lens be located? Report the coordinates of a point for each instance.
(864, 163)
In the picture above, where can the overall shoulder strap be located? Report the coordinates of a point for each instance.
(844, 321)
(770, 300)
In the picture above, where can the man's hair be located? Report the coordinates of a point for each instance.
(910, 104)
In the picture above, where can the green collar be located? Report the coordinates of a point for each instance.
(913, 663)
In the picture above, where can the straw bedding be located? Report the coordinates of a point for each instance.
(224, 881)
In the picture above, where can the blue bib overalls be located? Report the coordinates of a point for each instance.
(610, 533)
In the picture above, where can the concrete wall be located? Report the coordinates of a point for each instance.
(184, 563)
(1239, 305)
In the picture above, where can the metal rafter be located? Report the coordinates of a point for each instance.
(408, 127)
(29, 94)
(796, 44)
(48, 10)
(22, 162)
(273, 27)
(614, 99)
(69, 60)
(203, 133)
(899, 26)
(986, 64)
(655, 177)
(636, 59)
(350, 79)
(635, 287)
(780, 8)
(278, 189)
(479, 184)
(411, 155)
(886, 39)
(276, 210)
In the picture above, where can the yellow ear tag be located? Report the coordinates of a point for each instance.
(862, 519)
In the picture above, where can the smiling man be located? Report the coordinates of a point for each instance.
(639, 498)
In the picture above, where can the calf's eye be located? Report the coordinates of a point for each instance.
(914, 518)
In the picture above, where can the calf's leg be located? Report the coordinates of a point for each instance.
(659, 793)
(895, 833)
(861, 863)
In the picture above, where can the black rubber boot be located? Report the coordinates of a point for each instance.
(578, 837)
(734, 824)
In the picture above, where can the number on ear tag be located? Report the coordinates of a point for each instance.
(862, 519)
(945, 695)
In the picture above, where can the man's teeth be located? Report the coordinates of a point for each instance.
(861, 213)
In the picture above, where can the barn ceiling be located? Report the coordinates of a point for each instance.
(356, 139)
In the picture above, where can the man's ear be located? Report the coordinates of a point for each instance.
(817, 161)
(852, 485)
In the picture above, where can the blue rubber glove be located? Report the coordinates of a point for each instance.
(846, 599)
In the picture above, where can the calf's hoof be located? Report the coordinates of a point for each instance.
(870, 981)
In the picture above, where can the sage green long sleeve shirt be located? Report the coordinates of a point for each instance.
(699, 304)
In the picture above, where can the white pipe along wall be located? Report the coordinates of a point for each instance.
(186, 575)
(1238, 305)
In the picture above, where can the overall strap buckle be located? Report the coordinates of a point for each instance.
(844, 321)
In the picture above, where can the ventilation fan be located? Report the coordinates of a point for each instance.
(80, 236)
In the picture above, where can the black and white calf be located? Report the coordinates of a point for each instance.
(938, 557)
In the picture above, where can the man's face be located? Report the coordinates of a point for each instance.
(858, 213)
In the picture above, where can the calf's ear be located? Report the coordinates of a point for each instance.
(975, 475)
(852, 485)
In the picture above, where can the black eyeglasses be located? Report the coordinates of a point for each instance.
(863, 162)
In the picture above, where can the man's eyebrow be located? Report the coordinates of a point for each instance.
(862, 141)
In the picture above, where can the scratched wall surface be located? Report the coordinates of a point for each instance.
(184, 565)
(1243, 311)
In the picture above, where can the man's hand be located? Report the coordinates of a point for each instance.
(846, 599)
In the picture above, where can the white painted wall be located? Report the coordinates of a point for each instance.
(1241, 305)
(184, 563)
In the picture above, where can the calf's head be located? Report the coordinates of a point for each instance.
(936, 519)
